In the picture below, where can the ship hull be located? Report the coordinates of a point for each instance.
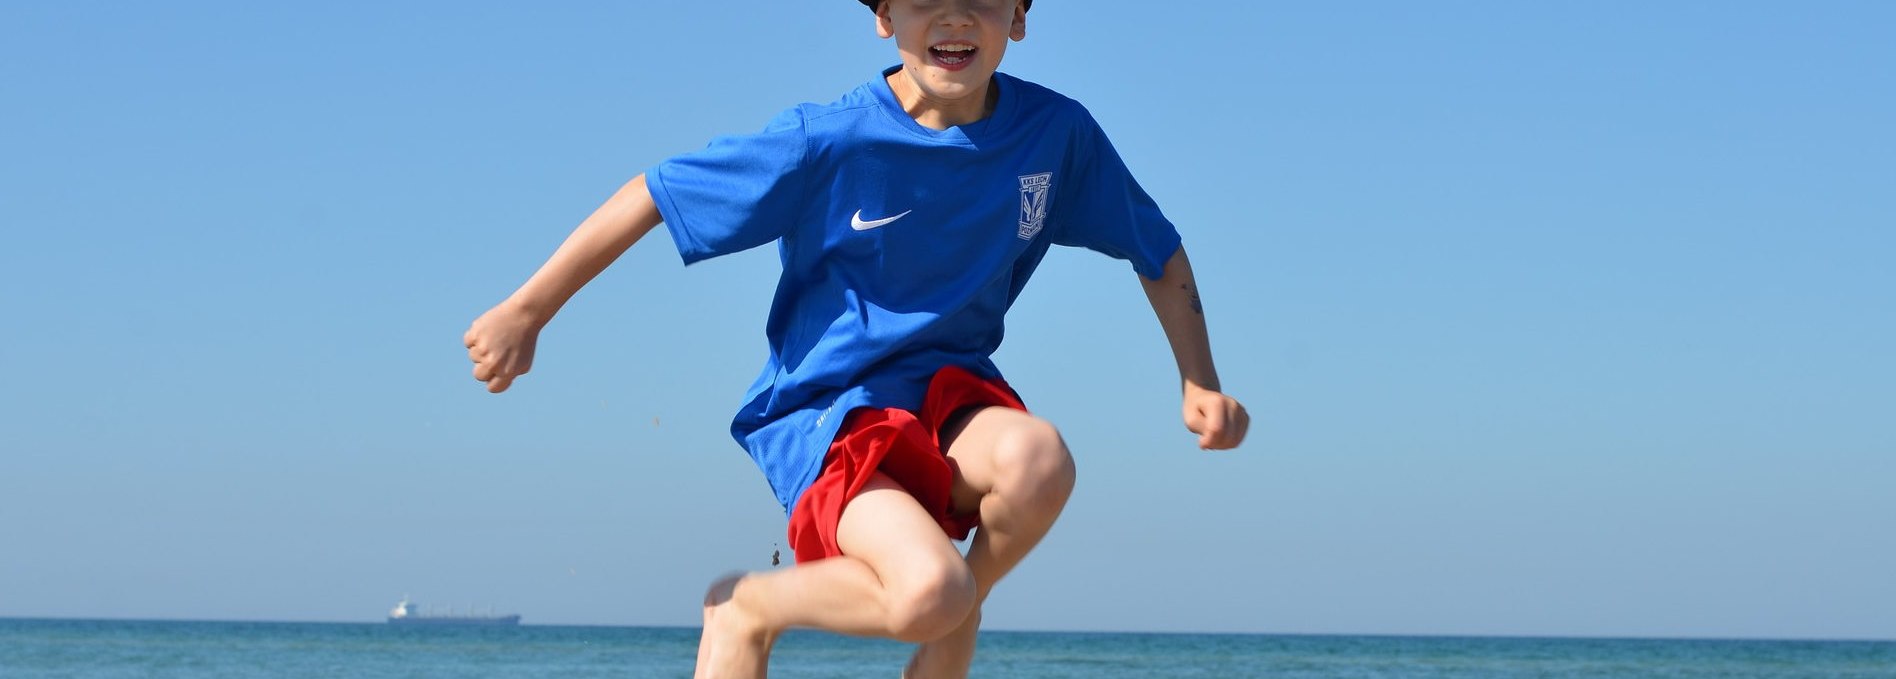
(498, 621)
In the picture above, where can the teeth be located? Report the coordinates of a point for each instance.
(956, 48)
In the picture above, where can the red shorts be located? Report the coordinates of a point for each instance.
(902, 444)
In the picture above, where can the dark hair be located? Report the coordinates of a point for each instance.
(871, 4)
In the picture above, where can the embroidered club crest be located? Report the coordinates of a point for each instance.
(1033, 203)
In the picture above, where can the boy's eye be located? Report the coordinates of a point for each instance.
(982, 6)
(977, 4)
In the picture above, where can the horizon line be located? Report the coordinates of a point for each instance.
(1389, 635)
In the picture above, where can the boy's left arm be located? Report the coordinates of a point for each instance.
(1217, 419)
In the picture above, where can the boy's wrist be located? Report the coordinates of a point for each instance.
(536, 313)
(1211, 385)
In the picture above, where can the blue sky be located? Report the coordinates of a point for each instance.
(1566, 320)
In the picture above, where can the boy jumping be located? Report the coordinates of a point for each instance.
(909, 214)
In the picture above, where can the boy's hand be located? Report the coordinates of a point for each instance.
(1217, 419)
(501, 343)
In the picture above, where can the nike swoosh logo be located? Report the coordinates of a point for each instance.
(856, 222)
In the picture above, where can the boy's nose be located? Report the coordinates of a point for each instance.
(957, 13)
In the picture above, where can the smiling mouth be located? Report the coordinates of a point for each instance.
(952, 56)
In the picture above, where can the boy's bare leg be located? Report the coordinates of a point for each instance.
(1014, 468)
(899, 577)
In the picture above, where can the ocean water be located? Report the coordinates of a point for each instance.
(92, 649)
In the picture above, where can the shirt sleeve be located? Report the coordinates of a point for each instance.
(1104, 209)
(735, 194)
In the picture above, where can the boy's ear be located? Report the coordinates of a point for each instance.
(1018, 31)
(885, 28)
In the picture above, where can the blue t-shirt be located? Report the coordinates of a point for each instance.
(902, 246)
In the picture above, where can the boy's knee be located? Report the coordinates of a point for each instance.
(1031, 458)
(929, 605)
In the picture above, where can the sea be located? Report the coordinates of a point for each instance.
(102, 649)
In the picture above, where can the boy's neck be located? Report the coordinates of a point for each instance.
(941, 115)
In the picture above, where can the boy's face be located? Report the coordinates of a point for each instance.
(951, 48)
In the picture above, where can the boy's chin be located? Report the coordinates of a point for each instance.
(944, 82)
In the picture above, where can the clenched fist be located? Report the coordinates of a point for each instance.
(500, 343)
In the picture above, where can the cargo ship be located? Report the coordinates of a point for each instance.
(406, 613)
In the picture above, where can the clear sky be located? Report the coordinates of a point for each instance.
(1555, 318)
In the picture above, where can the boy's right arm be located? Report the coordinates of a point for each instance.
(501, 341)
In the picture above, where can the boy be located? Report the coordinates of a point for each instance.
(908, 215)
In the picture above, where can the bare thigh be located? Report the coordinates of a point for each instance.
(994, 444)
(886, 528)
